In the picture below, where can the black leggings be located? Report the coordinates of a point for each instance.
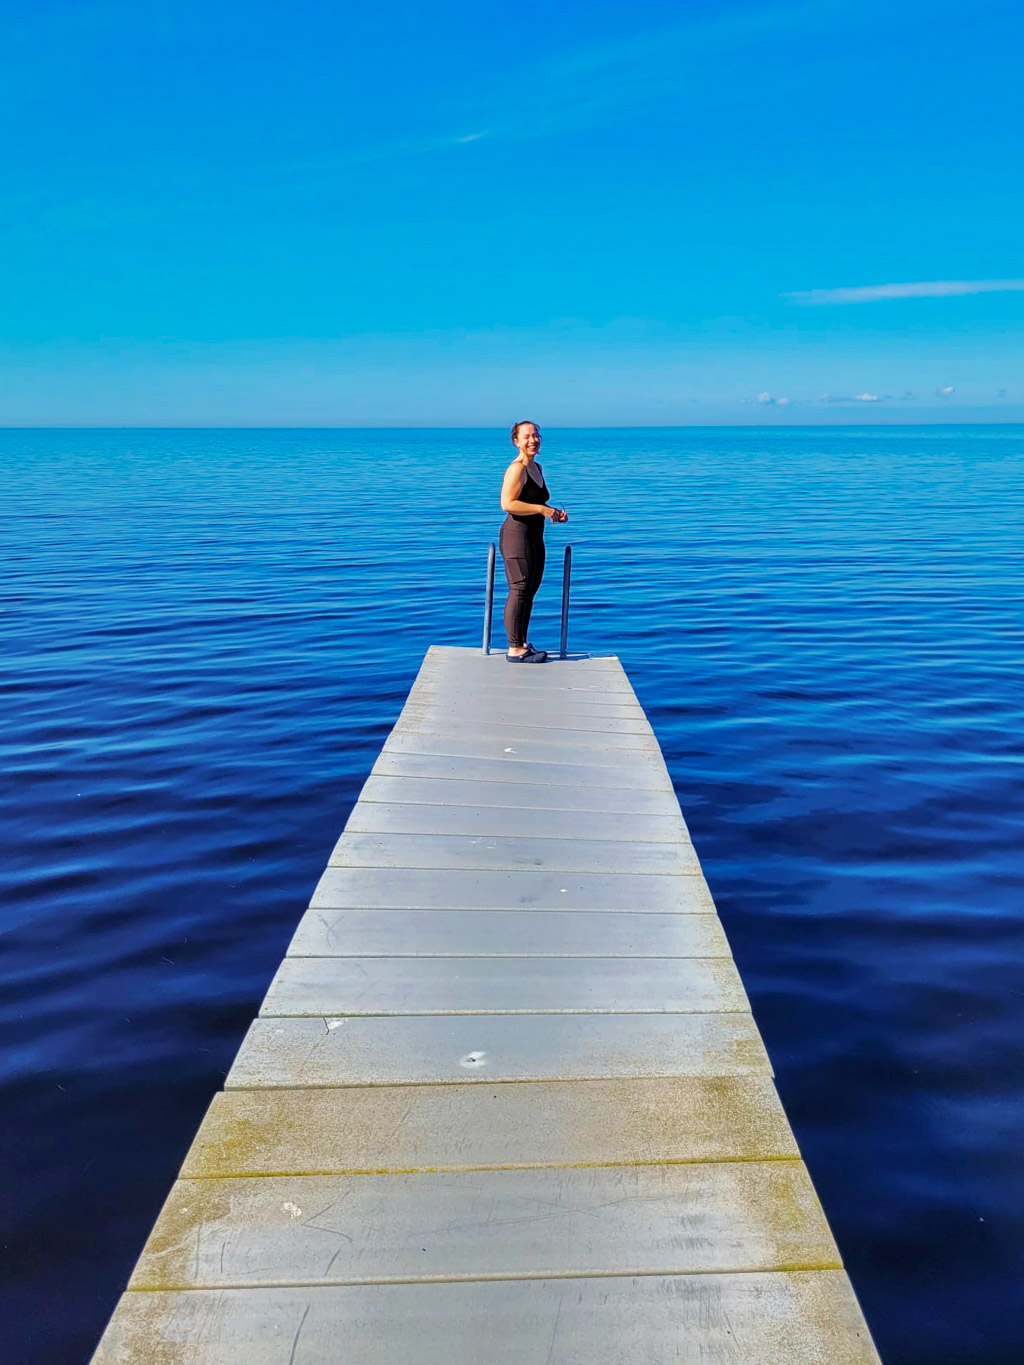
(522, 549)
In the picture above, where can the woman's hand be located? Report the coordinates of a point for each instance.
(558, 513)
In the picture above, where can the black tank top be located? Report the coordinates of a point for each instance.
(535, 493)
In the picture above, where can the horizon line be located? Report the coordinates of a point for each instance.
(451, 426)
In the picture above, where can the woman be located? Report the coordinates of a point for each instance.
(524, 496)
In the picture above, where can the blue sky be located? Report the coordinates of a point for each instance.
(454, 213)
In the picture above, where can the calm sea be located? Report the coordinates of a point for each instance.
(206, 638)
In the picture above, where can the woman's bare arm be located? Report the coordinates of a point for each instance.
(515, 477)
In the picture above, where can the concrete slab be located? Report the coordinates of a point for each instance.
(600, 706)
(504, 985)
(463, 1126)
(506, 768)
(453, 791)
(507, 933)
(444, 852)
(768, 1318)
(304, 1053)
(606, 751)
(606, 1220)
(522, 823)
(511, 707)
(595, 701)
(470, 889)
(541, 722)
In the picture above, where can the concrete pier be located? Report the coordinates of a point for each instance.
(505, 1102)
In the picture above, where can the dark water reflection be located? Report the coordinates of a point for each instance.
(206, 638)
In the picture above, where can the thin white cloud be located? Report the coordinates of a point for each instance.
(945, 391)
(928, 289)
(866, 398)
(594, 83)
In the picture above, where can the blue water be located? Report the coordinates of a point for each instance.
(206, 638)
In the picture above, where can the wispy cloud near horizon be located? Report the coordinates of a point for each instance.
(926, 289)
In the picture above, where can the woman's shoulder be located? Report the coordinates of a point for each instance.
(518, 465)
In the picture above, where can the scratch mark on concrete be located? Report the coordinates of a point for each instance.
(298, 1333)
(554, 1333)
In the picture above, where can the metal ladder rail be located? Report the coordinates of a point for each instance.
(563, 649)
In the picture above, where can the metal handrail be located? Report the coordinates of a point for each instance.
(563, 649)
(489, 598)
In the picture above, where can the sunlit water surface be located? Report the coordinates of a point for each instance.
(208, 635)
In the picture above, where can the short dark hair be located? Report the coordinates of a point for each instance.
(516, 425)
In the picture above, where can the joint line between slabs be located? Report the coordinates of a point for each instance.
(519, 758)
(564, 871)
(498, 805)
(501, 957)
(602, 708)
(532, 957)
(499, 910)
(406, 1082)
(468, 729)
(507, 1014)
(505, 780)
(448, 834)
(496, 1277)
(469, 1169)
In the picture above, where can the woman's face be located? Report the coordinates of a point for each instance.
(528, 439)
